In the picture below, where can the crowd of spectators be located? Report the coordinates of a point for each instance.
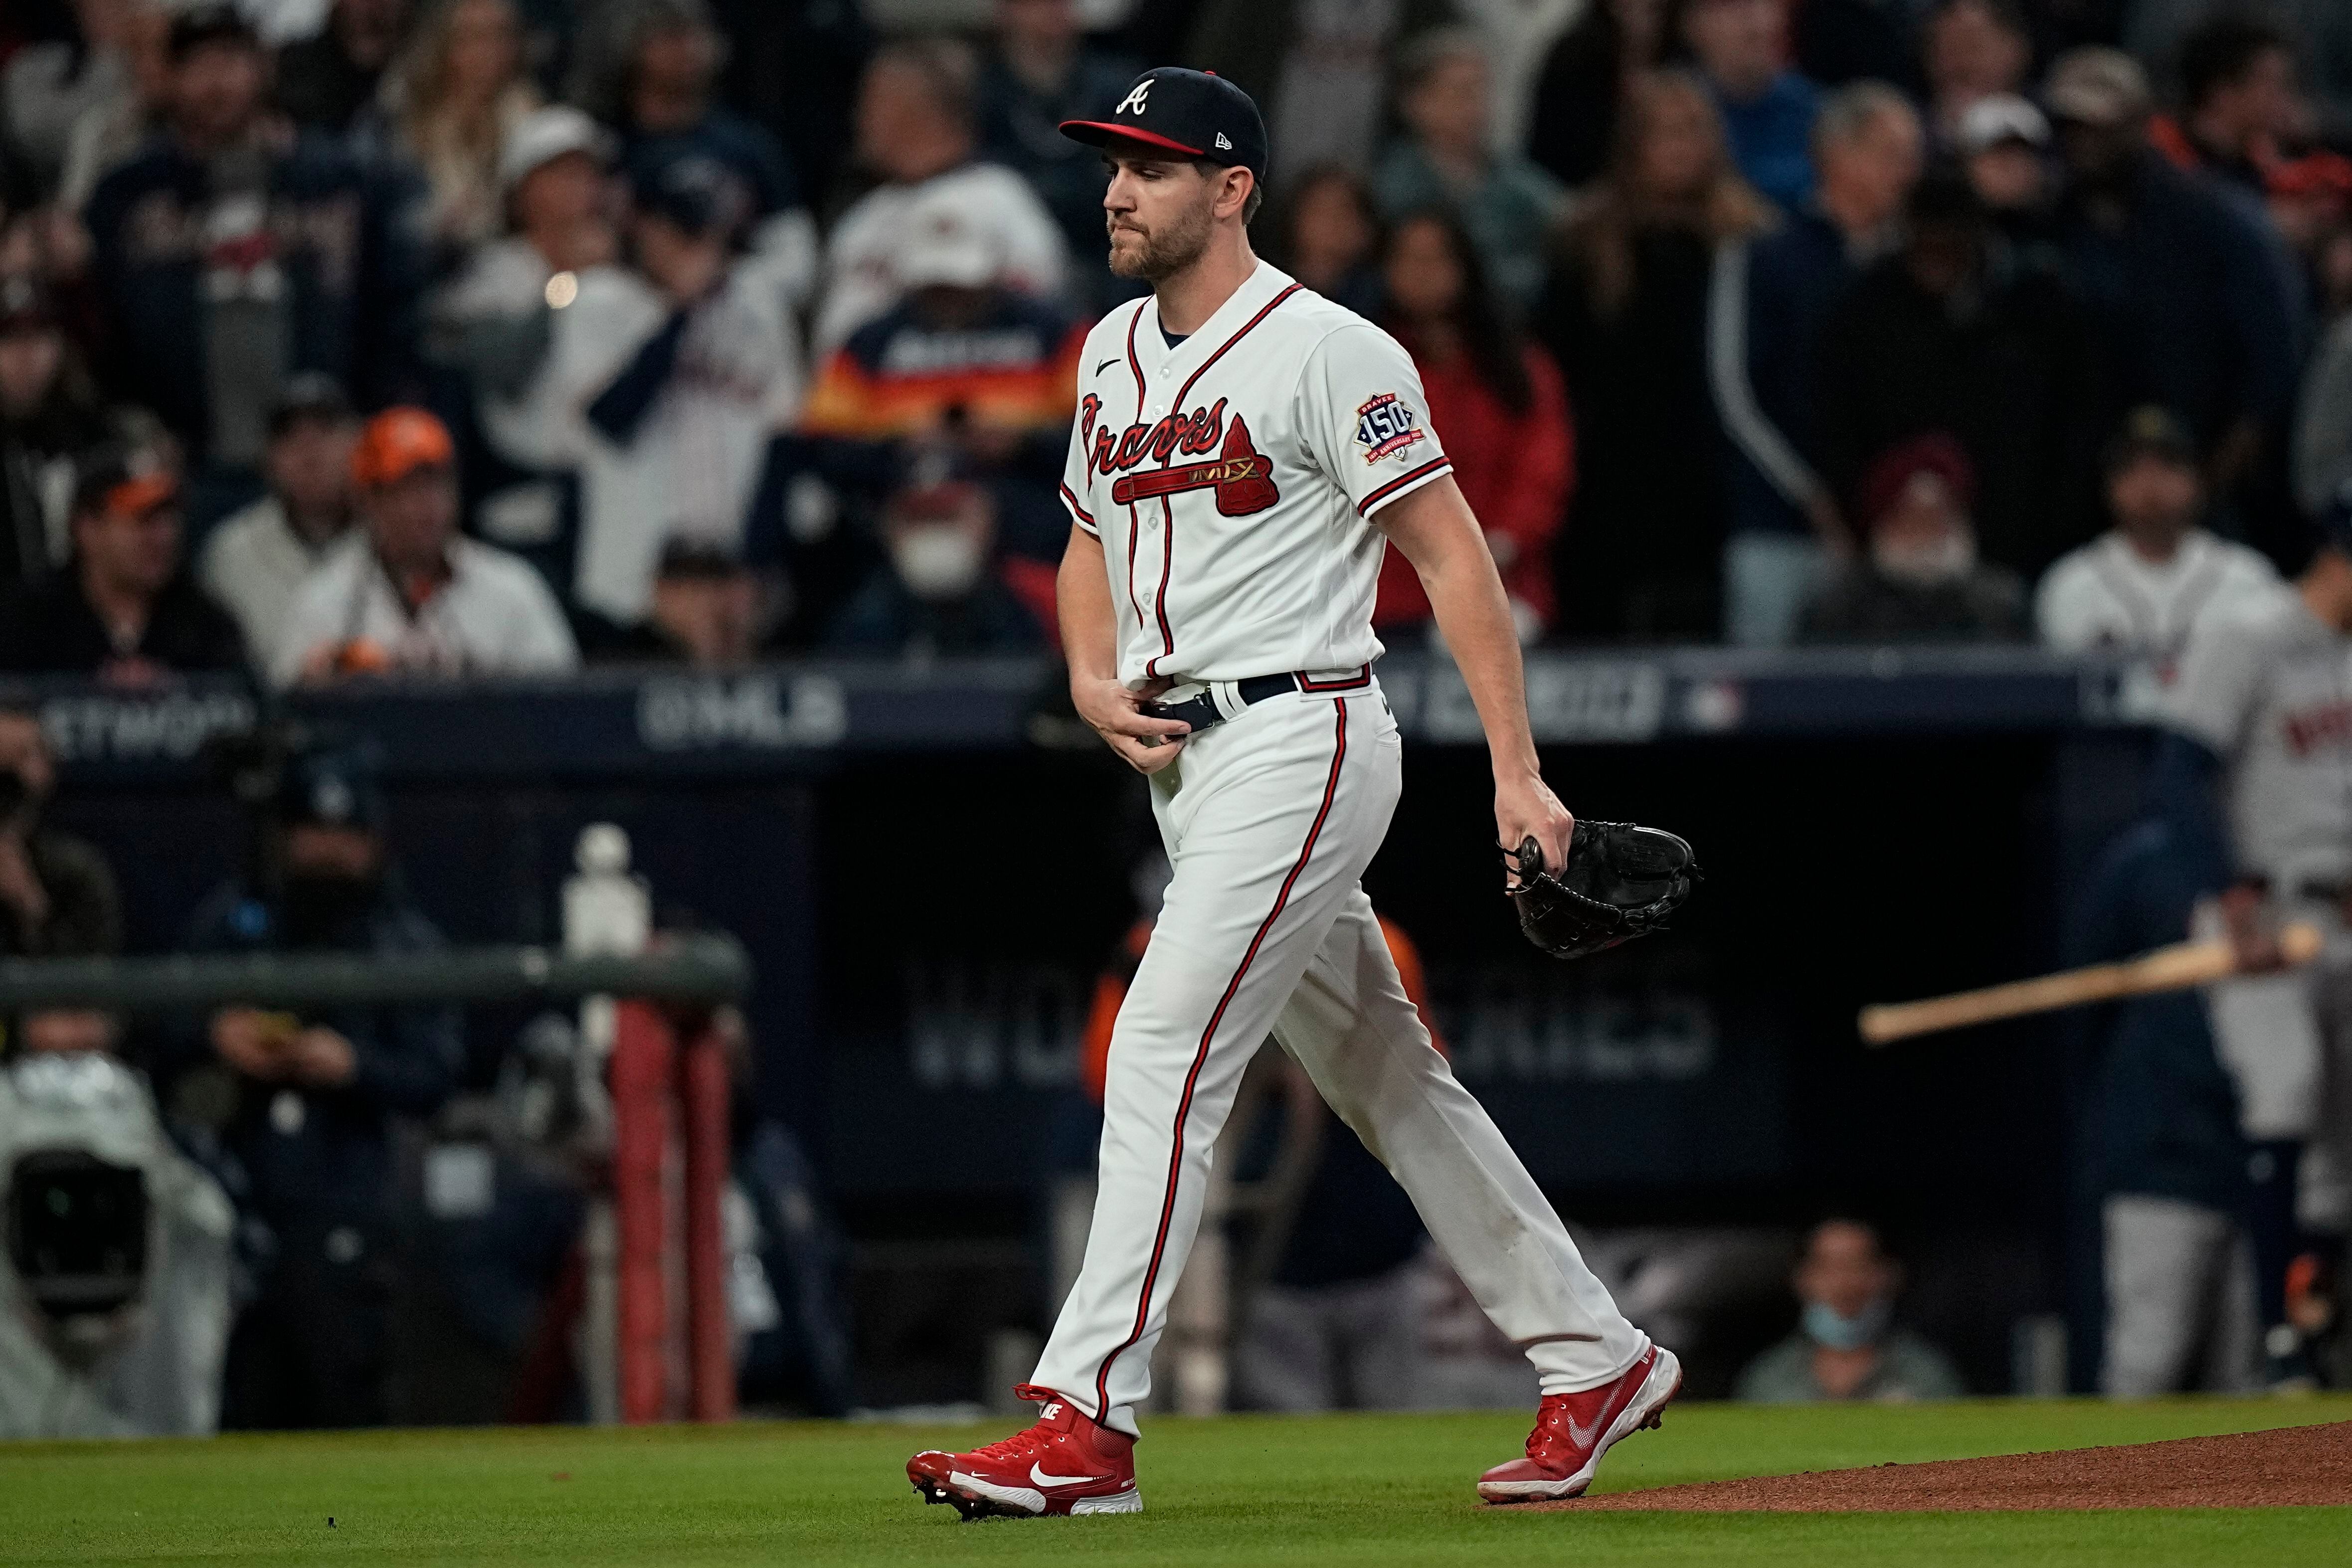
(746, 328)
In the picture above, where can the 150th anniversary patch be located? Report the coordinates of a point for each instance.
(1386, 426)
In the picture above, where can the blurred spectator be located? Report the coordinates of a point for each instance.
(1326, 235)
(1972, 50)
(311, 1095)
(258, 559)
(1741, 49)
(964, 362)
(2163, 1140)
(1496, 400)
(683, 426)
(2186, 300)
(2239, 104)
(228, 260)
(2143, 586)
(940, 594)
(1948, 335)
(665, 102)
(47, 87)
(1625, 315)
(1519, 36)
(914, 133)
(2321, 30)
(795, 68)
(1506, 202)
(1846, 1345)
(111, 126)
(1573, 123)
(1041, 72)
(536, 323)
(328, 82)
(409, 595)
(2323, 442)
(48, 415)
(1772, 298)
(57, 895)
(1920, 581)
(1317, 68)
(709, 610)
(456, 95)
(122, 611)
(2003, 145)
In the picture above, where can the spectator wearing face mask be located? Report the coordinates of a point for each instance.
(122, 610)
(2149, 581)
(228, 259)
(407, 594)
(256, 560)
(1920, 581)
(1846, 1346)
(1506, 202)
(938, 595)
(915, 132)
(49, 412)
(313, 1094)
(964, 362)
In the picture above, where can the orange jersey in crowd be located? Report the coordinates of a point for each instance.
(1015, 367)
(1111, 990)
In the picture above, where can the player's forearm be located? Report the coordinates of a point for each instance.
(1082, 598)
(1441, 538)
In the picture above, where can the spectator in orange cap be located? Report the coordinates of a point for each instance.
(409, 595)
(124, 608)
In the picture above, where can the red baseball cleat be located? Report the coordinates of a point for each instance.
(1064, 1464)
(1573, 1430)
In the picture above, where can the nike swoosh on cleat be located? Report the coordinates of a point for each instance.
(1037, 1474)
(1582, 1436)
(1104, 365)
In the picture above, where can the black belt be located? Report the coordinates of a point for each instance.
(1200, 710)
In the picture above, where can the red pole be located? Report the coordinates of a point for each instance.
(643, 1052)
(703, 1089)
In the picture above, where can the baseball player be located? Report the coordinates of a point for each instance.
(1245, 453)
(2256, 780)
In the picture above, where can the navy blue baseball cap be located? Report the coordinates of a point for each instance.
(1197, 113)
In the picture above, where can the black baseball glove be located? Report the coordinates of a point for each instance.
(1621, 881)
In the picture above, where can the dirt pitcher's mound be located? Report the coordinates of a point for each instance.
(2299, 1465)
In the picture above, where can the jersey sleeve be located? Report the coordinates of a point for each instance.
(2218, 682)
(1076, 471)
(1364, 419)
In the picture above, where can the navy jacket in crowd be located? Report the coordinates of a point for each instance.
(348, 240)
(2163, 1117)
(1765, 322)
(332, 1165)
(2186, 299)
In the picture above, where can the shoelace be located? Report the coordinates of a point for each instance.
(1020, 1445)
(1546, 1433)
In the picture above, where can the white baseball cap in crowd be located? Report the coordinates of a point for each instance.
(949, 240)
(545, 135)
(2003, 117)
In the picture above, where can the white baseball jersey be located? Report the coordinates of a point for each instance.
(2268, 688)
(1233, 478)
(2108, 595)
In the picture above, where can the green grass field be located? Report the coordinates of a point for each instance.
(1341, 1490)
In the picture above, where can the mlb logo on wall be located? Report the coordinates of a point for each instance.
(1385, 426)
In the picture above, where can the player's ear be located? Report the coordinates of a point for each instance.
(1234, 197)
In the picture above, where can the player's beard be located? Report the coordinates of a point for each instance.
(1155, 256)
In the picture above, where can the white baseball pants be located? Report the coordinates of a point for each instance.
(1270, 819)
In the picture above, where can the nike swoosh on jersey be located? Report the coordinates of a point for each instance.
(1106, 365)
(1037, 1474)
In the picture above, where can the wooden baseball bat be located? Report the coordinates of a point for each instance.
(2173, 968)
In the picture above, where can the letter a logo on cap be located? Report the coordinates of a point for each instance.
(1134, 100)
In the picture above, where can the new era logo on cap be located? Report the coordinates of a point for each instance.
(1196, 114)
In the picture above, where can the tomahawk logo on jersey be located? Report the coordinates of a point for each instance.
(1233, 478)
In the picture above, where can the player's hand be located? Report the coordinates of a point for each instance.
(1525, 808)
(1112, 711)
(2250, 934)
